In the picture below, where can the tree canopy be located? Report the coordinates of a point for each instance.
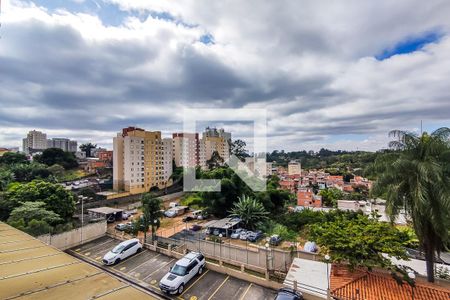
(250, 211)
(87, 148)
(11, 158)
(417, 178)
(151, 212)
(54, 156)
(55, 197)
(359, 241)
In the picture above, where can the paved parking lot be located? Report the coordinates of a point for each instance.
(147, 268)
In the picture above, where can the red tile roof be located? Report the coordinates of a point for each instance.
(360, 285)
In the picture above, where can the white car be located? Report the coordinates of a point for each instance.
(237, 233)
(184, 270)
(122, 251)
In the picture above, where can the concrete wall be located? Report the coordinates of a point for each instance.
(73, 238)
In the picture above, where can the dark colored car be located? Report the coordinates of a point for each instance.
(254, 236)
(289, 294)
(188, 218)
(196, 227)
(275, 240)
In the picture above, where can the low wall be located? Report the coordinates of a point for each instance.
(75, 237)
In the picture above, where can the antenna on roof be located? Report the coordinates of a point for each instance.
(421, 126)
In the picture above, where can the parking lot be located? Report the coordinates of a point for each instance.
(147, 268)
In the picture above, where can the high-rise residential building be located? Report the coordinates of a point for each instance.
(167, 147)
(186, 149)
(138, 160)
(294, 168)
(209, 145)
(34, 142)
(214, 132)
(63, 144)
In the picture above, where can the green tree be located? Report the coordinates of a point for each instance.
(215, 161)
(6, 177)
(55, 197)
(238, 149)
(330, 196)
(38, 227)
(11, 158)
(151, 213)
(361, 241)
(29, 172)
(33, 211)
(56, 170)
(87, 148)
(54, 156)
(250, 211)
(418, 179)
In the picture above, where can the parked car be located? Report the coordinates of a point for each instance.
(243, 235)
(254, 236)
(173, 204)
(125, 216)
(196, 227)
(275, 240)
(216, 232)
(121, 227)
(122, 251)
(187, 218)
(203, 216)
(288, 294)
(236, 233)
(182, 272)
(170, 213)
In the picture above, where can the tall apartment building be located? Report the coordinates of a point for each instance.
(167, 147)
(294, 168)
(35, 141)
(209, 145)
(214, 132)
(138, 160)
(63, 144)
(186, 149)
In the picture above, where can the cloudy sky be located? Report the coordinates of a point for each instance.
(336, 74)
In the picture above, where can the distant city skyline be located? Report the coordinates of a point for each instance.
(331, 75)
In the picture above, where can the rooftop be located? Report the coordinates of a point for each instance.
(31, 269)
(224, 223)
(380, 286)
(105, 210)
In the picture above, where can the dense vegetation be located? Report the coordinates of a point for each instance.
(30, 198)
(416, 178)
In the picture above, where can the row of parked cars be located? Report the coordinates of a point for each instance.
(179, 275)
(253, 236)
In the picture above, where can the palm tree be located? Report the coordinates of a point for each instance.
(250, 211)
(417, 178)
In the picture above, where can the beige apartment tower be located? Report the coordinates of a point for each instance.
(139, 161)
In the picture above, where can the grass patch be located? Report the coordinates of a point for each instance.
(74, 174)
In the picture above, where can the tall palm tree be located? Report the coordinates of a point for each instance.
(250, 211)
(151, 213)
(417, 178)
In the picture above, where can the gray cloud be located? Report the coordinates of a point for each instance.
(311, 66)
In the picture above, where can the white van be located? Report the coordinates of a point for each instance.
(122, 251)
(196, 213)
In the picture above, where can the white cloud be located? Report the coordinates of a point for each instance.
(311, 64)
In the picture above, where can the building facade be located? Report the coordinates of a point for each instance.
(35, 141)
(186, 149)
(294, 168)
(63, 144)
(138, 161)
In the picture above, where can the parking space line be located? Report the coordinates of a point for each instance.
(145, 278)
(87, 249)
(129, 271)
(246, 291)
(179, 297)
(135, 255)
(219, 287)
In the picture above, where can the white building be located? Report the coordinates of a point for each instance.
(186, 149)
(36, 141)
(294, 168)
